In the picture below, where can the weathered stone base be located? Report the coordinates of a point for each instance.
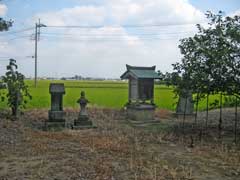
(83, 122)
(49, 125)
(142, 112)
(143, 123)
(78, 122)
(56, 116)
(56, 120)
(136, 122)
(84, 127)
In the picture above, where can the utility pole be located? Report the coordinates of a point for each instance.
(35, 56)
(37, 38)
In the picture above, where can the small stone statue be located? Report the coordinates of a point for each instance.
(83, 103)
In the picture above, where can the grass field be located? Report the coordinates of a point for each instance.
(100, 93)
(113, 94)
(116, 149)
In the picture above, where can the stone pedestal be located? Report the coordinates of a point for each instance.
(82, 122)
(141, 112)
(56, 116)
(56, 119)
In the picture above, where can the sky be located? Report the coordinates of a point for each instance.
(97, 38)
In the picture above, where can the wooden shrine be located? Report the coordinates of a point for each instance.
(140, 104)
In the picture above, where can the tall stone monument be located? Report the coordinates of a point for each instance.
(185, 103)
(83, 118)
(56, 116)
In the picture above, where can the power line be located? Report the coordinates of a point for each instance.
(18, 31)
(97, 27)
(107, 35)
(95, 35)
(74, 39)
(117, 37)
(119, 26)
(6, 56)
(17, 59)
(19, 37)
(4, 59)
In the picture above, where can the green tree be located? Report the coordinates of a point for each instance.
(4, 25)
(17, 91)
(211, 59)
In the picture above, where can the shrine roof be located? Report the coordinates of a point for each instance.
(140, 72)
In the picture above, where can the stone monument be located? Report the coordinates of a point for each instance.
(56, 116)
(185, 104)
(83, 118)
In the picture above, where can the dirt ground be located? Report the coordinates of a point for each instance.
(116, 149)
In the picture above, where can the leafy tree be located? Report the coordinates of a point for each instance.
(17, 90)
(211, 59)
(4, 25)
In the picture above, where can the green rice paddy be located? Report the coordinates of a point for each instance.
(112, 94)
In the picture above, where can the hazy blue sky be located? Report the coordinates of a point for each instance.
(104, 51)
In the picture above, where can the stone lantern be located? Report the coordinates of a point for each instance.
(83, 120)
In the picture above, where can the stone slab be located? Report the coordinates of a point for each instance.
(83, 118)
(56, 116)
(83, 127)
(143, 122)
(54, 125)
(185, 102)
(141, 112)
(78, 122)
